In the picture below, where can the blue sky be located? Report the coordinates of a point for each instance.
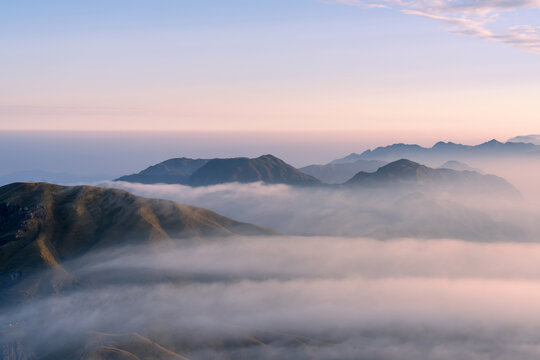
(280, 65)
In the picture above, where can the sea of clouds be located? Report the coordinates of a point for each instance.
(301, 297)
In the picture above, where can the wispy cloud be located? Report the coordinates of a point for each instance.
(472, 17)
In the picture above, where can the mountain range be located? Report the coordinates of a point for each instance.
(454, 176)
(533, 139)
(201, 172)
(45, 228)
(444, 151)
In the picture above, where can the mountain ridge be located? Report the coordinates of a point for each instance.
(405, 172)
(266, 168)
(443, 151)
(42, 225)
(171, 171)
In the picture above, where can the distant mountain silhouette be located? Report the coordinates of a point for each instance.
(443, 151)
(172, 171)
(411, 174)
(267, 168)
(338, 173)
(459, 166)
(43, 225)
(533, 139)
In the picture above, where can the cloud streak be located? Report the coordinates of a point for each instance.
(480, 18)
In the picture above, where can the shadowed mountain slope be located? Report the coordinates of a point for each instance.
(42, 225)
(172, 171)
(338, 173)
(408, 173)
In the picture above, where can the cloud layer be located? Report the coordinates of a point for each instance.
(486, 19)
(302, 298)
(388, 213)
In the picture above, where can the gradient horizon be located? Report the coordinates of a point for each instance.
(285, 66)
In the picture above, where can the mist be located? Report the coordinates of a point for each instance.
(297, 297)
(384, 213)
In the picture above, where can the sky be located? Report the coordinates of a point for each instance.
(439, 69)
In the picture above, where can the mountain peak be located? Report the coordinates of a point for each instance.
(171, 171)
(265, 168)
(492, 142)
(400, 166)
(402, 163)
(200, 172)
(442, 144)
(408, 173)
(400, 170)
(269, 157)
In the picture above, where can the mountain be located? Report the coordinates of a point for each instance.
(532, 139)
(444, 151)
(201, 172)
(43, 225)
(266, 168)
(338, 173)
(458, 166)
(172, 171)
(406, 173)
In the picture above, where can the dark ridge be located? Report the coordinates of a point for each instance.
(200, 172)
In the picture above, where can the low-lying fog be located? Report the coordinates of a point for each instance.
(359, 212)
(301, 298)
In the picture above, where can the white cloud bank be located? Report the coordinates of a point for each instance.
(472, 17)
(359, 298)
